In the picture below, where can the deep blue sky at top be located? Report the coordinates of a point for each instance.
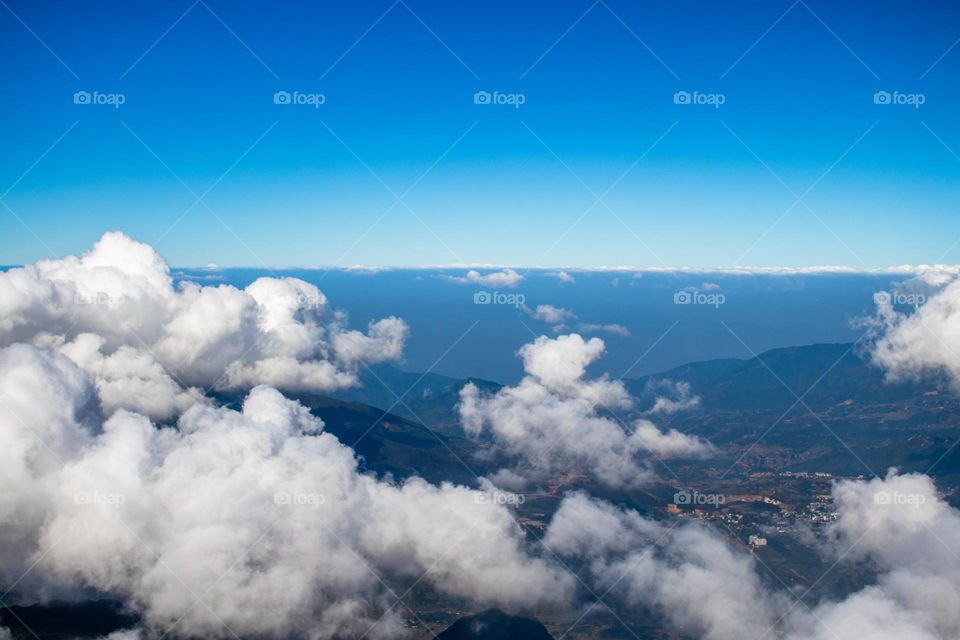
(294, 185)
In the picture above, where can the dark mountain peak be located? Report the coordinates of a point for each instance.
(495, 625)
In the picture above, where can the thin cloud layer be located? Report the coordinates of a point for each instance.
(671, 396)
(552, 419)
(560, 318)
(252, 522)
(153, 345)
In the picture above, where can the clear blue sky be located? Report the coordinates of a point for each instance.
(297, 185)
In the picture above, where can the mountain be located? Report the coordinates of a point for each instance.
(429, 398)
(495, 625)
(832, 373)
(822, 407)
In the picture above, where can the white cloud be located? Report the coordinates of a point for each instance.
(553, 315)
(258, 512)
(117, 312)
(562, 276)
(925, 341)
(690, 576)
(503, 278)
(704, 588)
(612, 329)
(560, 317)
(671, 396)
(550, 420)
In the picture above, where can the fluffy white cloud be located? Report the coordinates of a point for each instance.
(925, 341)
(551, 419)
(254, 522)
(704, 588)
(690, 576)
(903, 528)
(118, 313)
(503, 278)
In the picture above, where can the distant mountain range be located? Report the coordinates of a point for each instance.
(822, 374)
(819, 403)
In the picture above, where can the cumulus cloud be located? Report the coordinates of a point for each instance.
(254, 522)
(552, 419)
(152, 344)
(703, 587)
(910, 345)
(503, 278)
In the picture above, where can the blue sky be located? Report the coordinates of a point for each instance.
(294, 185)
